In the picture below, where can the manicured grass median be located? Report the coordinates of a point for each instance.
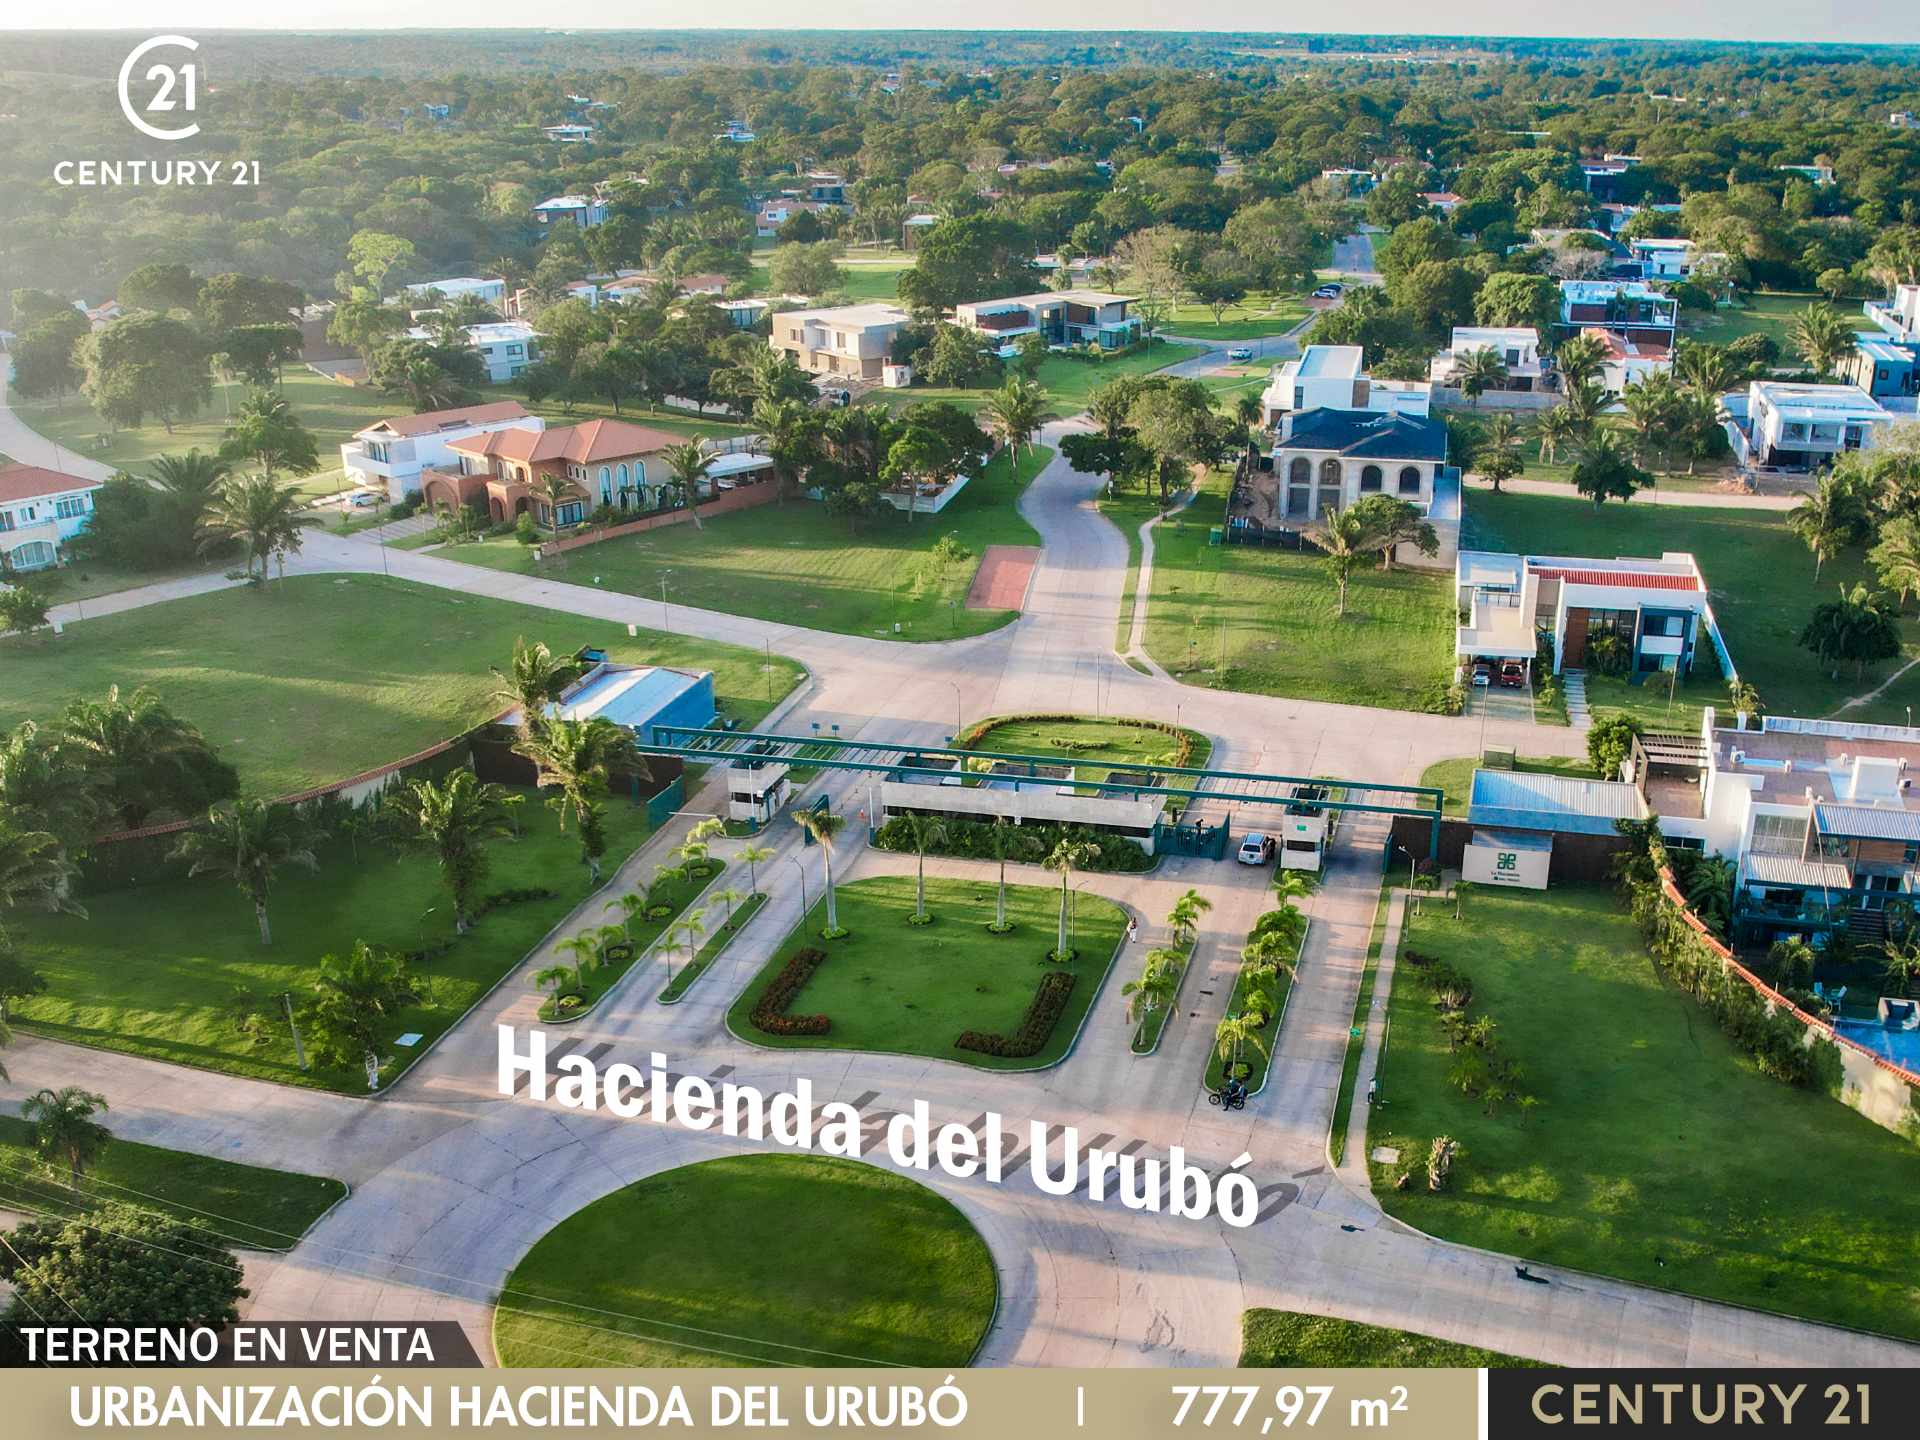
(716, 943)
(1272, 612)
(150, 970)
(1253, 1062)
(1286, 1339)
(1357, 1031)
(1656, 1152)
(1153, 1023)
(1095, 747)
(910, 990)
(243, 1204)
(793, 562)
(753, 1260)
(673, 892)
(317, 677)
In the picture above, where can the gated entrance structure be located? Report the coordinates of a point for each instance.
(993, 783)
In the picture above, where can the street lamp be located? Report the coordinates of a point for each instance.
(794, 860)
(956, 707)
(666, 616)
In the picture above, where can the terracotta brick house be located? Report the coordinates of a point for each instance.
(600, 462)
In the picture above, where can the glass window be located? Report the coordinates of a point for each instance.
(1779, 834)
(70, 507)
(1329, 472)
(1370, 477)
(1410, 480)
(6, 520)
(1300, 472)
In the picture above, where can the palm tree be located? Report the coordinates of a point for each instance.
(754, 856)
(1460, 889)
(1584, 402)
(1233, 1034)
(248, 842)
(1184, 918)
(1650, 407)
(924, 832)
(696, 851)
(576, 757)
(1278, 949)
(1899, 964)
(1824, 517)
(555, 491)
(1015, 411)
(264, 518)
(689, 465)
(454, 818)
(1705, 369)
(684, 931)
(1496, 455)
(267, 431)
(428, 387)
(585, 950)
(1744, 699)
(1159, 978)
(1792, 960)
(1345, 542)
(190, 481)
(530, 682)
(1895, 558)
(791, 433)
(64, 1128)
(823, 826)
(1292, 886)
(730, 898)
(555, 976)
(1556, 427)
(42, 787)
(1068, 856)
(120, 746)
(353, 999)
(1002, 842)
(1479, 370)
(1580, 360)
(1821, 337)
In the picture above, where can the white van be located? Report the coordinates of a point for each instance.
(1256, 849)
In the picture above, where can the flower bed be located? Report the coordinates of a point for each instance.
(771, 1016)
(1036, 1026)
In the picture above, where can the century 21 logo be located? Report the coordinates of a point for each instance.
(174, 87)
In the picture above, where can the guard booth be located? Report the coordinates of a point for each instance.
(1308, 829)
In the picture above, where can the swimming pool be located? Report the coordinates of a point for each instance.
(1900, 1046)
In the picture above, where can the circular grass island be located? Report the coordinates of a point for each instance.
(753, 1260)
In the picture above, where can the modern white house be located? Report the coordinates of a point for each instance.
(492, 292)
(1785, 426)
(854, 341)
(581, 211)
(1898, 318)
(1669, 259)
(1353, 182)
(574, 134)
(505, 347)
(1060, 317)
(1658, 608)
(40, 511)
(1334, 377)
(1818, 174)
(1517, 346)
(1885, 361)
(392, 453)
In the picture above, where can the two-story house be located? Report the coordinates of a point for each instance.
(582, 211)
(1060, 317)
(1334, 377)
(1885, 361)
(40, 511)
(854, 341)
(512, 471)
(505, 347)
(394, 452)
(490, 292)
(1800, 427)
(1630, 310)
(1518, 349)
(1325, 460)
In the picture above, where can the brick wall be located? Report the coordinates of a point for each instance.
(744, 498)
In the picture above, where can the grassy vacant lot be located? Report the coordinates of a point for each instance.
(870, 275)
(1128, 512)
(1357, 1031)
(330, 410)
(1772, 313)
(907, 990)
(317, 677)
(1069, 383)
(753, 1260)
(1657, 1152)
(1456, 776)
(1273, 611)
(151, 968)
(1762, 583)
(1286, 1339)
(1706, 474)
(1094, 747)
(86, 579)
(794, 562)
(1257, 316)
(278, 1205)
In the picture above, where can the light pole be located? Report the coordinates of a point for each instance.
(956, 709)
(794, 860)
(769, 645)
(666, 616)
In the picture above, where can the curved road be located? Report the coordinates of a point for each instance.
(452, 1182)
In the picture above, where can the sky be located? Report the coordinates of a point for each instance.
(1860, 21)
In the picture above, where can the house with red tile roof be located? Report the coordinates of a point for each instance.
(559, 476)
(394, 452)
(40, 512)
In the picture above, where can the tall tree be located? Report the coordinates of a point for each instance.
(1826, 518)
(146, 364)
(354, 1001)
(64, 1129)
(1821, 337)
(249, 842)
(266, 519)
(1344, 541)
(1067, 856)
(454, 818)
(823, 826)
(267, 431)
(1605, 471)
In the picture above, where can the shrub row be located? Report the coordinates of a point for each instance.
(974, 840)
(770, 1013)
(1440, 978)
(1036, 1027)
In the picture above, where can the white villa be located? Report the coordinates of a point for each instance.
(1334, 377)
(1800, 427)
(855, 341)
(1060, 317)
(582, 211)
(491, 292)
(40, 511)
(394, 452)
(1517, 346)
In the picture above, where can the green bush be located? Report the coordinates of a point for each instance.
(974, 840)
(1036, 1026)
(525, 531)
(770, 1013)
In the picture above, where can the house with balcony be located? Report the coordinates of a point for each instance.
(1334, 377)
(1518, 348)
(572, 134)
(510, 471)
(1819, 817)
(1782, 426)
(1658, 609)
(1630, 310)
(1626, 362)
(581, 211)
(40, 512)
(1886, 359)
(1670, 259)
(393, 453)
(505, 347)
(824, 187)
(849, 341)
(459, 287)
(1060, 317)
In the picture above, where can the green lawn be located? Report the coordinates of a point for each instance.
(1286, 1339)
(278, 1205)
(1760, 578)
(1071, 383)
(673, 422)
(89, 579)
(905, 990)
(1259, 316)
(1657, 1152)
(318, 677)
(753, 1260)
(1357, 1031)
(1772, 313)
(151, 968)
(1272, 611)
(794, 562)
(1128, 512)
(1559, 471)
(333, 412)
(870, 276)
(1456, 776)
(1094, 747)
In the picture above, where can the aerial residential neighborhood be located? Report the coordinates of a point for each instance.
(1331, 618)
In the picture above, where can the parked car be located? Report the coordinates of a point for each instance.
(365, 499)
(1482, 673)
(1255, 849)
(1513, 675)
(1240, 352)
(1329, 291)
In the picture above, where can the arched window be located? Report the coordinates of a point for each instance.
(1410, 480)
(606, 486)
(1370, 477)
(1300, 472)
(1329, 474)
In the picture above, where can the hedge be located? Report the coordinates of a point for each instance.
(1036, 1027)
(974, 840)
(769, 1013)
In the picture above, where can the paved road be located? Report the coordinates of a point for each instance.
(29, 447)
(452, 1182)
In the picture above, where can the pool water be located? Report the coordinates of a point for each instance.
(1900, 1046)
